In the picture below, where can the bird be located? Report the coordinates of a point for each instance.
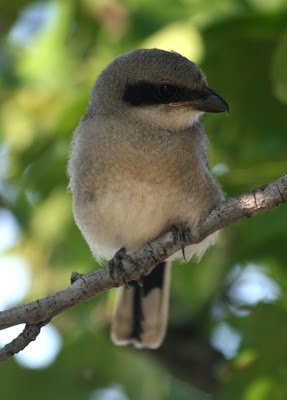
(138, 167)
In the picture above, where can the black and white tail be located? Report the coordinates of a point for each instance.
(141, 312)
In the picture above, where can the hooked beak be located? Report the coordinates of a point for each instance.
(207, 100)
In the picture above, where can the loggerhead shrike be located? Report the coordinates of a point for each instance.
(137, 167)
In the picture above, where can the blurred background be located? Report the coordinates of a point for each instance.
(228, 325)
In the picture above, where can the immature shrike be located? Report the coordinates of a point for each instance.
(138, 166)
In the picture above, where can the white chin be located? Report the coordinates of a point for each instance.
(194, 117)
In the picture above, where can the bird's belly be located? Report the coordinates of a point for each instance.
(129, 218)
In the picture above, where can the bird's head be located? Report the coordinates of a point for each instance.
(157, 87)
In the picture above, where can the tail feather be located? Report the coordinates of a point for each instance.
(140, 315)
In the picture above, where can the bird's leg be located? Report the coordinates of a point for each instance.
(116, 264)
(181, 233)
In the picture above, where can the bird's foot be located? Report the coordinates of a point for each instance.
(181, 233)
(116, 265)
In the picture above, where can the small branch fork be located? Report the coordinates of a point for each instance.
(137, 265)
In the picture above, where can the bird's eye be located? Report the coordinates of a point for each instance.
(167, 91)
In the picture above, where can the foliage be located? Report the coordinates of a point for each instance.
(51, 52)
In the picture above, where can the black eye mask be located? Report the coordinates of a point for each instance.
(146, 93)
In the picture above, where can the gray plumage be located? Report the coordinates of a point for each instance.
(138, 166)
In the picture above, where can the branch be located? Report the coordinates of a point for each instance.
(29, 334)
(137, 265)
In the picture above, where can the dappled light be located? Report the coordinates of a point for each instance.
(227, 331)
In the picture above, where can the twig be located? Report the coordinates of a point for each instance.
(29, 334)
(137, 265)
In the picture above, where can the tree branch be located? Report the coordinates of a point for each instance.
(137, 265)
(29, 334)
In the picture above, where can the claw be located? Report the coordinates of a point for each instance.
(180, 233)
(183, 252)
